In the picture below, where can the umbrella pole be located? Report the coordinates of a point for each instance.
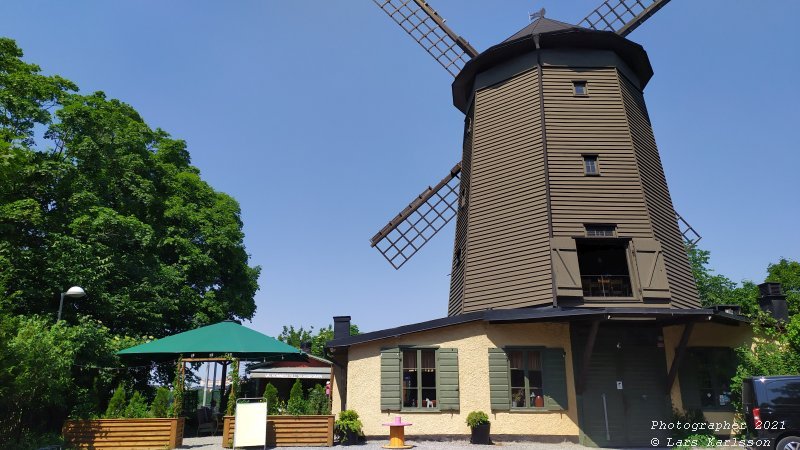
(205, 383)
(223, 399)
(214, 386)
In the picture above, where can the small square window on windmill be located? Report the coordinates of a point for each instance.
(579, 88)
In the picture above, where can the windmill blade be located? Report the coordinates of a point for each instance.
(621, 16)
(690, 236)
(404, 235)
(425, 25)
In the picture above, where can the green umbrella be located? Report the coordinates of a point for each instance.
(215, 341)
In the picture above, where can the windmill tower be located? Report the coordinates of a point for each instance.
(560, 197)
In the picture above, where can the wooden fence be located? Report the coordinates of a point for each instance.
(139, 434)
(289, 431)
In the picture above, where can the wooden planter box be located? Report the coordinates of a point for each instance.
(289, 431)
(139, 434)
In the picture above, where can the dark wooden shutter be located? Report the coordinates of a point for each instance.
(390, 379)
(448, 380)
(689, 381)
(499, 390)
(554, 379)
(650, 268)
(565, 266)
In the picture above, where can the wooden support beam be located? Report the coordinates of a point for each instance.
(587, 356)
(679, 353)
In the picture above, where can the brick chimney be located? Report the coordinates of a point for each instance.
(341, 327)
(773, 301)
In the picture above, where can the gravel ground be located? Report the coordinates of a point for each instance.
(214, 443)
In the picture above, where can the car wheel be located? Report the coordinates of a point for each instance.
(789, 443)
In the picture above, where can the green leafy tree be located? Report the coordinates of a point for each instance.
(160, 405)
(296, 337)
(137, 407)
(297, 403)
(117, 405)
(103, 201)
(716, 289)
(114, 206)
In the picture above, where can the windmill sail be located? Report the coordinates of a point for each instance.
(404, 235)
(690, 235)
(425, 25)
(621, 16)
(434, 208)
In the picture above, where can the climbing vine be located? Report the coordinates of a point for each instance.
(231, 408)
(178, 386)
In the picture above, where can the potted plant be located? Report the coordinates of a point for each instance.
(348, 427)
(478, 422)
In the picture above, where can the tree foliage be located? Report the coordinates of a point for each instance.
(716, 289)
(775, 349)
(90, 195)
(297, 337)
(115, 207)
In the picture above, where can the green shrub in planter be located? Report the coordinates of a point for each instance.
(116, 406)
(160, 405)
(476, 418)
(348, 427)
(271, 395)
(478, 423)
(318, 403)
(297, 403)
(137, 407)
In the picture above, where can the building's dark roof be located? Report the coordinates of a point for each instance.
(662, 316)
(549, 34)
(539, 26)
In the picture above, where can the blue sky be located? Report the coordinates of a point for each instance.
(323, 119)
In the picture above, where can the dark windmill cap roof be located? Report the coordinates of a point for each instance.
(546, 33)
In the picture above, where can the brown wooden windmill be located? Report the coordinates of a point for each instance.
(560, 196)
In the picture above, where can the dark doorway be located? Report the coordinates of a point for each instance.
(624, 386)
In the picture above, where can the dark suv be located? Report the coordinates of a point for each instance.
(772, 411)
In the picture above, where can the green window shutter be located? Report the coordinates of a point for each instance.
(499, 390)
(448, 379)
(554, 379)
(390, 379)
(689, 381)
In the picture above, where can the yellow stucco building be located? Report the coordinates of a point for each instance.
(599, 377)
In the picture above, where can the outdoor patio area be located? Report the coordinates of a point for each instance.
(213, 443)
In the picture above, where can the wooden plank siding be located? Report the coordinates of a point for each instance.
(289, 431)
(507, 262)
(456, 302)
(593, 124)
(527, 190)
(120, 434)
(662, 213)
